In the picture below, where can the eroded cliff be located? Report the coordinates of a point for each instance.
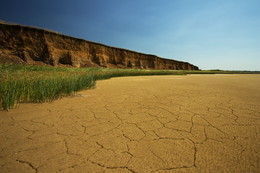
(28, 45)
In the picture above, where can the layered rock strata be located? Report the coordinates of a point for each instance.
(29, 45)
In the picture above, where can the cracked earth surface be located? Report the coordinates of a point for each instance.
(160, 124)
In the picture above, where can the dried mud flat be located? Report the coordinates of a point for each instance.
(196, 123)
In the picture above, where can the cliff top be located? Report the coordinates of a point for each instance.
(47, 31)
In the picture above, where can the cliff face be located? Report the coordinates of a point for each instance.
(27, 45)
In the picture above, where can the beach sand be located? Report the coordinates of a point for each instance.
(164, 124)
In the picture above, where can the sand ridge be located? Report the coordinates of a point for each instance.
(193, 123)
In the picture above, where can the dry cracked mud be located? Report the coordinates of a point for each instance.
(159, 124)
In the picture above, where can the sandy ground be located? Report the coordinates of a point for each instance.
(196, 123)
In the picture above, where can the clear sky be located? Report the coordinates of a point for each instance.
(212, 34)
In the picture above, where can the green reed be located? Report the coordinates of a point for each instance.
(41, 86)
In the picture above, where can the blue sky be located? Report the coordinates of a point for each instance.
(212, 34)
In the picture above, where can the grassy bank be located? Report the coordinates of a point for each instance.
(21, 84)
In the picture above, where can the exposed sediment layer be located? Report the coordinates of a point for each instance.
(29, 45)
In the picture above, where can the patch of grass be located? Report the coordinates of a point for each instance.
(40, 87)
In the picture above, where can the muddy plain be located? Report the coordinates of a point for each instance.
(162, 124)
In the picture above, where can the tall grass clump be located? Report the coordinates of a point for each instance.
(40, 87)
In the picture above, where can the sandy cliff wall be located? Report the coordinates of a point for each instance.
(27, 45)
